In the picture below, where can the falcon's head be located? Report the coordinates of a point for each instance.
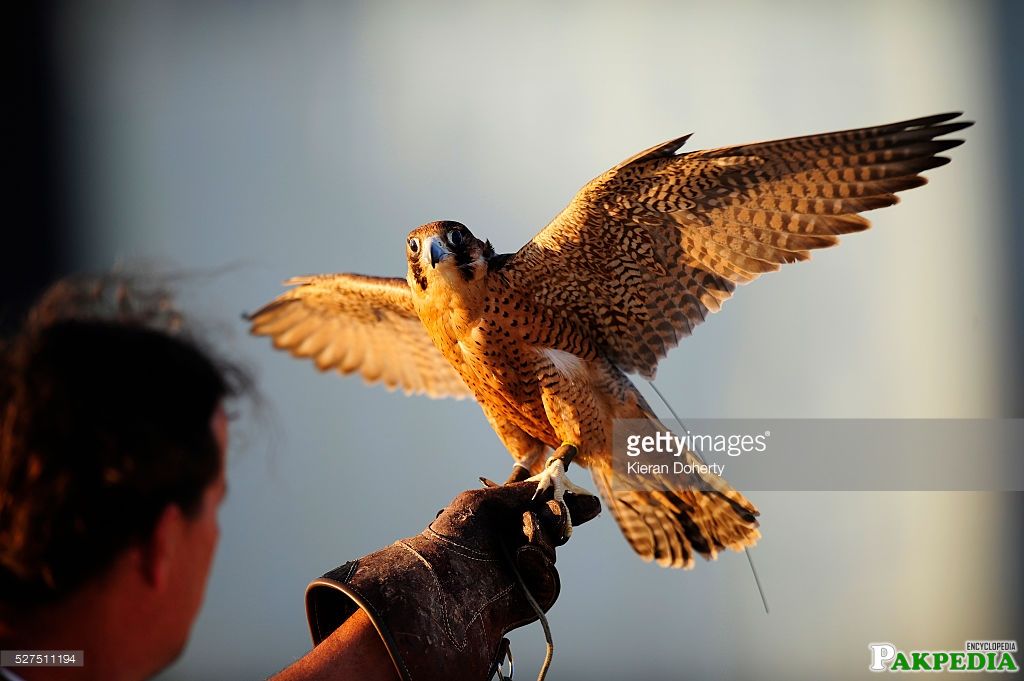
(445, 251)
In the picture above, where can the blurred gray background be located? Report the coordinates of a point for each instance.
(246, 142)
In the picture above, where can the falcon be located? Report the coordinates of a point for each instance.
(544, 338)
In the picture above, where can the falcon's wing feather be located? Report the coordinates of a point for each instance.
(647, 249)
(352, 322)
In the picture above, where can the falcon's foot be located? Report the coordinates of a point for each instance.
(520, 472)
(554, 476)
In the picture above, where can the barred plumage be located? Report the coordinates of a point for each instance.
(350, 322)
(543, 338)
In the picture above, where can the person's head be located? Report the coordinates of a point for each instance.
(112, 445)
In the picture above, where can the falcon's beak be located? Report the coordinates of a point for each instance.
(438, 252)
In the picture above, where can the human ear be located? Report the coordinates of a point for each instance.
(160, 549)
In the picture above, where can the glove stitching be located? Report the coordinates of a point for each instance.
(479, 555)
(446, 619)
(480, 611)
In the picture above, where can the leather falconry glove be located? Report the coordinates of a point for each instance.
(443, 600)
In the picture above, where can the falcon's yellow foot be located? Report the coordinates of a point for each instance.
(554, 476)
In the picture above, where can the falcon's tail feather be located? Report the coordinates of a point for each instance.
(669, 518)
(669, 525)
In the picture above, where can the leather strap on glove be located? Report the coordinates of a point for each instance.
(443, 600)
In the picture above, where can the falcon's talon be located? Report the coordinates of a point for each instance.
(554, 475)
(567, 531)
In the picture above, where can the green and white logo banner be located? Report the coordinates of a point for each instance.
(976, 656)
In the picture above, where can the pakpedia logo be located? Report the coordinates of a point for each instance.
(977, 656)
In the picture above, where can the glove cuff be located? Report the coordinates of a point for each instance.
(330, 601)
(440, 608)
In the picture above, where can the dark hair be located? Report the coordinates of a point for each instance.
(102, 425)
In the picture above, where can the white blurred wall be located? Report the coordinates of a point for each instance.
(281, 139)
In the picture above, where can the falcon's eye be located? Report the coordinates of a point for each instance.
(455, 238)
(414, 246)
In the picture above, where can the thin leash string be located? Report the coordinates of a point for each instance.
(746, 549)
(549, 643)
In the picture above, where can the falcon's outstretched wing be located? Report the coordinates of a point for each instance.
(647, 249)
(351, 322)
